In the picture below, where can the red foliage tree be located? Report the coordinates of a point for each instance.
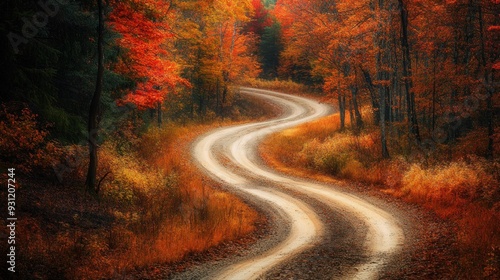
(146, 35)
(260, 19)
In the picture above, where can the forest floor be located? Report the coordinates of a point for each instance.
(154, 207)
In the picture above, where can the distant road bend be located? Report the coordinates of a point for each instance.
(382, 236)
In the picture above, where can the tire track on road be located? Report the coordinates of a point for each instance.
(384, 236)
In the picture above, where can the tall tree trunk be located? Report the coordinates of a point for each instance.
(342, 111)
(198, 101)
(491, 128)
(407, 76)
(434, 86)
(341, 100)
(225, 91)
(152, 114)
(357, 114)
(488, 80)
(158, 107)
(373, 95)
(395, 82)
(94, 111)
(351, 114)
(383, 112)
(382, 75)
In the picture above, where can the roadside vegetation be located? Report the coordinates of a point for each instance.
(454, 181)
(153, 205)
(287, 86)
(415, 85)
(85, 86)
(91, 99)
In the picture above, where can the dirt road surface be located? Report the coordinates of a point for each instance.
(374, 233)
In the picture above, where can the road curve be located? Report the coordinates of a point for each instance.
(245, 174)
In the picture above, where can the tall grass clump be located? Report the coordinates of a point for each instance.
(154, 207)
(468, 194)
(464, 189)
(165, 208)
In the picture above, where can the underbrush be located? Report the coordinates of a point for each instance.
(464, 189)
(154, 207)
(171, 204)
(24, 142)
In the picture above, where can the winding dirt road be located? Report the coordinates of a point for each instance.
(378, 233)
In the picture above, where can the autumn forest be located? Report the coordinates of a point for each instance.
(102, 101)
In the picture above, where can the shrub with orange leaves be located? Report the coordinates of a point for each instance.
(465, 189)
(158, 196)
(154, 208)
(454, 183)
(24, 143)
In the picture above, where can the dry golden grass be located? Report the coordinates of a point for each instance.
(465, 191)
(155, 208)
(174, 210)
